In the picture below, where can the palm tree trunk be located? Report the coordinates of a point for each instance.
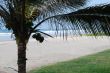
(22, 57)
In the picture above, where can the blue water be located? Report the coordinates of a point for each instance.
(6, 35)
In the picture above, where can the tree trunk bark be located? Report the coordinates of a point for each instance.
(22, 57)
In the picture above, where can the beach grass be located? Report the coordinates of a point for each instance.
(97, 63)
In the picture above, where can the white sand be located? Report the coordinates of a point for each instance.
(51, 51)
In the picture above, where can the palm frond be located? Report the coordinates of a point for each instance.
(92, 20)
(48, 8)
(4, 14)
(73, 3)
(9, 16)
(45, 34)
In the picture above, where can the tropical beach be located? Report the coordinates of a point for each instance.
(51, 51)
(79, 28)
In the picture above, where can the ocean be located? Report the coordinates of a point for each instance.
(6, 35)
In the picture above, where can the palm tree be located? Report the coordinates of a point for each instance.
(19, 15)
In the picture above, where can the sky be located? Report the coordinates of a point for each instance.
(96, 2)
(89, 3)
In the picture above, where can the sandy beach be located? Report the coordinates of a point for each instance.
(52, 50)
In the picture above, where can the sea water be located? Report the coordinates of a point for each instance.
(6, 35)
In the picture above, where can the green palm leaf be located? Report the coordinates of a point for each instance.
(72, 3)
(48, 8)
(92, 20)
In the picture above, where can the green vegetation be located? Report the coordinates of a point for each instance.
(96, 34)
(93, 34)
(98, 63)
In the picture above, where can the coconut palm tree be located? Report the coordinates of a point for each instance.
(19, 16)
